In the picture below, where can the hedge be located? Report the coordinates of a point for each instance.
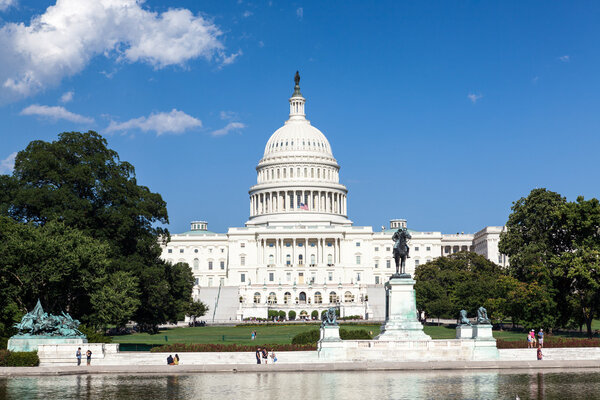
(227, 348)
(313, 336)
(19, 359)
(549, 342)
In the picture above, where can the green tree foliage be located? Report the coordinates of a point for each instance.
(460, 281)
(78, 181)
(196, 309)
(116, 300)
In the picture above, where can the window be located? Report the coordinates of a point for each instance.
(272, 298)
(302, 297)
(288, 259)
(358, 260)
(376, 263)
(288, 244)
(416, 262)
(181, 250)
(196, 263)
(332, 297)
(222, 251)
(197, 281)
(330, 276)
(210, 282)
(376, 248)
(271, 244)
(271, 259)
(358, 277)
(300, 244)
(416, 248)
(388, 263)
(242, 277)
(329, 244)
(210, 265)
(210, 250)
(271, 276)
(221, 281)
(357, 244)
(257, 297)
(288, 276)
(348, 297)
(329, 259)
(222, 264)
(312, 244)
(170, 251)
(287, 296)
(242, 245)
(300, 259)
(428, 248)
(242, 260)
(377, 280)
(313, 259)
(318, 298)
(387, 249)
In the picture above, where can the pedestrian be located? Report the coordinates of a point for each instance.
(265, 355)
(88, 356)
(78, 356)
(176, 360)
(539, 353)
(273, 357)
(528, 341)
(170, 360)
(541, 337)
(258, 354)
(252, 335)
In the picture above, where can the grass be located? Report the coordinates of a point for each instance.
(229, 334)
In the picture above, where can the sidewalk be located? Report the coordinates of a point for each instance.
(312, 367)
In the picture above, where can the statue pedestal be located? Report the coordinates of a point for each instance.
(330, 347)
(31, 342)
(464, 332)
(483, 332)
(485, 344)
(330, 333)
(401, 313)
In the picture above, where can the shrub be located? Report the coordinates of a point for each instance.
(323, 313)
(313, 336)
(93, 336)
(3, 343)
(314, 314)
(350, 317)
(272, 314)
(281, 314)
(227, 348)
(292, 315)
(19, 359)
(550, 342)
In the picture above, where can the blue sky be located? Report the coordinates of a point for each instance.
(443, 113)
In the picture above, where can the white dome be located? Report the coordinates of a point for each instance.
(297, 136)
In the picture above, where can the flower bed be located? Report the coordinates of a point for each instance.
(228, 348)
(550, 342)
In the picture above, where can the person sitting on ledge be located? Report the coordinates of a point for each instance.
(170, 360)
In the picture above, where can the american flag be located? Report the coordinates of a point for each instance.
(303, 206)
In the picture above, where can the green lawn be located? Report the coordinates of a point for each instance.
(283, 334)
(229, 334)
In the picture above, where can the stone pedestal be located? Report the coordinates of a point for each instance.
(330, 333)
(401, 313)
(31, 342)
(464, 332)
(331, 347)
(483, 332)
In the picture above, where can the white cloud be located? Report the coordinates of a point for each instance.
(56, 113)
(474, 97)
(67, 97)
(232, 126)
(8, 164)
(300, 12)
(247, 14)
(175, 122)
(565, 58)
(228, 115)
(5, 4)
(62, 41)
(230, 59)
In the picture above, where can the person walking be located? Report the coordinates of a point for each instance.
(541, 337)
(273, 357)
(539, 353)
(88, 356)
(258, 354)
(78, 356)
(252, 335)
(528, 341)
(265, 355)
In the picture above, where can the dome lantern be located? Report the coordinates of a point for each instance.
(297, 101)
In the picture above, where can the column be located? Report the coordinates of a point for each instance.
(293, 251)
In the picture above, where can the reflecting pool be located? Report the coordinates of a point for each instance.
(549, 384)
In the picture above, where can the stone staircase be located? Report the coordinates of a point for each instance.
(222, 303)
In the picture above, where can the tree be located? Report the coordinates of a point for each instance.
(462, 280)
(80, 182)
(196, 309)
(292, 315)
(116, 301)
(54, 263)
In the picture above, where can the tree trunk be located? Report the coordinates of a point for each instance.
(588, 324)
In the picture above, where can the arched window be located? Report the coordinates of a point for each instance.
(300, 259)
(332, 297)
(329, 259)
(287, 297)
(288, 259)
(272, 298)
(313, 259)
(348, 297)
(302, 297)
(318, 298)
(271, 259)
(257, 297)
(196, 263)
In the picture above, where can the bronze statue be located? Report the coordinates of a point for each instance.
(297, 78)
(38, 322)
(482, 317)
(329, 318)
(462, 318)
(401, 250)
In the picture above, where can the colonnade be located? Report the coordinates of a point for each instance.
(319, 247)
(290, 200)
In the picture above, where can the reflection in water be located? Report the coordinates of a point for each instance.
(583, 384)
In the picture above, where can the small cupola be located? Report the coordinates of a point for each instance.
(199, 226)
(397, 223)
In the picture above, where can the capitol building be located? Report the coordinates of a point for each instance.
(299, 251)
